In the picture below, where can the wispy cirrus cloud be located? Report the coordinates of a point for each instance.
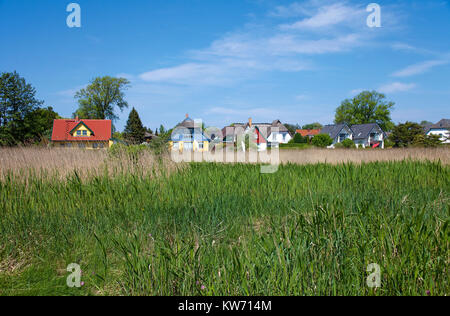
(244, 54)
(326, 16)
(395, 87)
(420, 68)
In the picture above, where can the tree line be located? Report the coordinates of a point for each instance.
(24, 120)
(372, 107)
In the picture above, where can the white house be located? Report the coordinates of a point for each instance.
(368, 135)
(338, 133)
(441, 129)
(264, 134)
(277, 133)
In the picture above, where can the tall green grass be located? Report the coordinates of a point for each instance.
(213, 229)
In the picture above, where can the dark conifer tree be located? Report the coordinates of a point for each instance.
(134, 130)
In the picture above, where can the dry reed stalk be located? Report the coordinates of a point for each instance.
(22, 162)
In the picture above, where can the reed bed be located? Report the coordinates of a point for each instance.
(59, 164)
(358, 156)
(227, 229)
(21, 161)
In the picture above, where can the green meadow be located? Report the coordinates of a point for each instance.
(216, 229)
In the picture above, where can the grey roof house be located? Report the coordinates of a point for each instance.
(368, 135)
(441, 129)
(363, 135)
(338, 132)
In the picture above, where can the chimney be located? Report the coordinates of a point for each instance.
(187, 115)
(76, 119)
(250, 122)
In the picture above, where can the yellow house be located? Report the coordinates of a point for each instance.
(188, 137)
(85, 134)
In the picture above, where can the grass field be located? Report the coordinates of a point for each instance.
(153, 228)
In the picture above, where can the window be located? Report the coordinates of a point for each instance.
(62, 145)
(78, 133)
(102, 145)
(81, 145)
(200, 145)
(84, 133)
(95, 145)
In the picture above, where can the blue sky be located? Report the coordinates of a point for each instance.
(224, 61)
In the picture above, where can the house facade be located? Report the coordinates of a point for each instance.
(189, 137)
(368, 135)
(338, 133)
(83, 134)
(265, 135)
(441, 129)
(363, 135)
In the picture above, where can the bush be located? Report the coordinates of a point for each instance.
(299, 139)
(348, 143)
(322, 140)
(388, 143)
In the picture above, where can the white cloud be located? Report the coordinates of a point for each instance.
(403, 46)
(420, 68)
(357, 91)
(396, 87)
(293, 10)
(183, 73)
(326, 16)
(259, 48)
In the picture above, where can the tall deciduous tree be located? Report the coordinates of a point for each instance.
(134, 130)
(367, 107)
(313, 126)
(17, 100)
(100, 98)
(39, 124)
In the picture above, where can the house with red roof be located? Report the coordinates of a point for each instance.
(310, 133)
(85, 134)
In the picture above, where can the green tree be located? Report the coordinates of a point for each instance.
(148, 130)
(322, 140)
(313, 126)
(423, 140)
(162, 130)
(17, 100)
(100, 98)
(292, 128)
(39, 124)
(299, 139)
(134, 130)
(367, 107)
(426, 123)
(403, 135)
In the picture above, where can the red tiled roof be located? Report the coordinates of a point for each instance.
(308, 132)
(100, 128)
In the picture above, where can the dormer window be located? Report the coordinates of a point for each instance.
(84, 133)
(78, 133)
